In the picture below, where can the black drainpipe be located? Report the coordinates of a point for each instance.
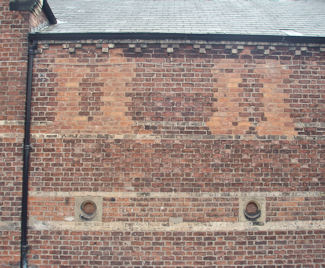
(24, 203)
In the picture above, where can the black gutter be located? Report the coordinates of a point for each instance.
(176, 36)
(26, 155)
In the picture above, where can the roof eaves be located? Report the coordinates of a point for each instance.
(176, 36)
(29, 5)
(48, 12)
(21, 5)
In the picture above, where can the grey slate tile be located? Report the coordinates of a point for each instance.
(262, 17)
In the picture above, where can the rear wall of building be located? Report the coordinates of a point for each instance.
(171, 141)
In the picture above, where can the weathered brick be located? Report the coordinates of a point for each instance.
(171, 136)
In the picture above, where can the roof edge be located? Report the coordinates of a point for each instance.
(29, 5)
(48, 12)
(176, 36)
(21, 5)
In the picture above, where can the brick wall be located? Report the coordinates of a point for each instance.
(178, 249)
(14, 27)
(173, 139)
(13, 51)
(170, 140)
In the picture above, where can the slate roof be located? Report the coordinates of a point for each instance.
(248, 17)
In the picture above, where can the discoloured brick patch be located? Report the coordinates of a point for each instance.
(250, 98)
(90, 97)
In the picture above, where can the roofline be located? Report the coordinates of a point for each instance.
(175, 36)
(28, 5)
(48, 12)
(21, 5)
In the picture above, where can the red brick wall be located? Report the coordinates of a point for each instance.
(172, 142)
(13, 51)
(14, 27)
(250, 92)
(178, 249)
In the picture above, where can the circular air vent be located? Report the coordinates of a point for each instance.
(88, 210)
(252, 211)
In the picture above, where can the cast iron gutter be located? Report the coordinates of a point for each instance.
(176, 36)
(24, 203)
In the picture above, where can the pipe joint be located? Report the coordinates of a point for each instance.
(32, 50)
(27, 147)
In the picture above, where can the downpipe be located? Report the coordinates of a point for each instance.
(26, 157)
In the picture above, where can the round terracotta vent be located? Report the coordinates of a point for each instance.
(88, 209)
(252, 211)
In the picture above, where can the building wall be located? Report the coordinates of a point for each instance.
(13, 54)
(171, 140)
(14, 27)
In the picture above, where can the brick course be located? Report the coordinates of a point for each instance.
(178, 249)
(195, 165)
